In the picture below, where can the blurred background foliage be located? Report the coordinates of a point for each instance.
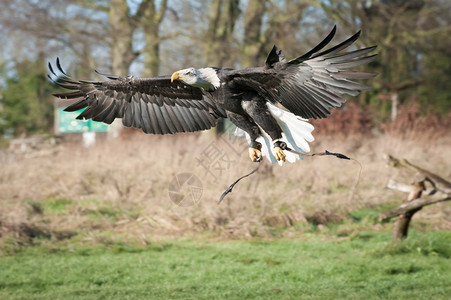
(152, 37)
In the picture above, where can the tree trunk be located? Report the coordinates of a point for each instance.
(218, 48)
(401, 227)
(152, 52)
(151, 22)
(219, 38)
(122, 33)
(253, 20)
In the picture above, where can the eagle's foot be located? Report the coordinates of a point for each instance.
(278, 150)
(278, 153)
(255, 154)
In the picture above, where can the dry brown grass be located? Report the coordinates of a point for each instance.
(121, 186)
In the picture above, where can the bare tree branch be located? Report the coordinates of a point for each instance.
(409, 206)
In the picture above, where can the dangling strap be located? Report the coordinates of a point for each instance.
(284, 146)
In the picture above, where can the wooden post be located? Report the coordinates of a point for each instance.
(394, 106)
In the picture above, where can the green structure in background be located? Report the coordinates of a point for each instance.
(67, 123)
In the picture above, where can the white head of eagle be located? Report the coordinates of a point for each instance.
(205, 78)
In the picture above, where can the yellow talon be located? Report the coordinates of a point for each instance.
(279, 154)
(255, 154)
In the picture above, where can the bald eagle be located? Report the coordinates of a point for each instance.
(270, 105)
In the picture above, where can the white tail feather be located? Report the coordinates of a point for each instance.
(296, 132)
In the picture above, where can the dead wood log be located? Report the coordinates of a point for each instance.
(441, 191)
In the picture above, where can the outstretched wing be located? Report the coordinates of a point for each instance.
(153, 104)
(311, 84)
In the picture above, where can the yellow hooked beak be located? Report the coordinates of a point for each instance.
(175, 76)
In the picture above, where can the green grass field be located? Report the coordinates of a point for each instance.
(368, 266)
(98, 223)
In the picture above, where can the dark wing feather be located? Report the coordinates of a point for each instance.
(318, 47)
(153, 104)
(311, 84)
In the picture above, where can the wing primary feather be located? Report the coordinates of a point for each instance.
(112, 77)
(178, 112)
(70, 95)
(87, 113)
(153, 118)
(350, 55)
(107, 108)
(167, 119)
(113, 113)
(51, 70)
(342, 83)
(297, 105)
(186, 116)
(341, 46)
(316, 48)
(354, 63)
(146, 123)
(198, 118)
(137, 111)
(76, 106)
(173, 116)
(352, 75)
(161, 121)
(328, 94)
(330, 102)
(127, 119)
(317, 107)
(58, 65)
